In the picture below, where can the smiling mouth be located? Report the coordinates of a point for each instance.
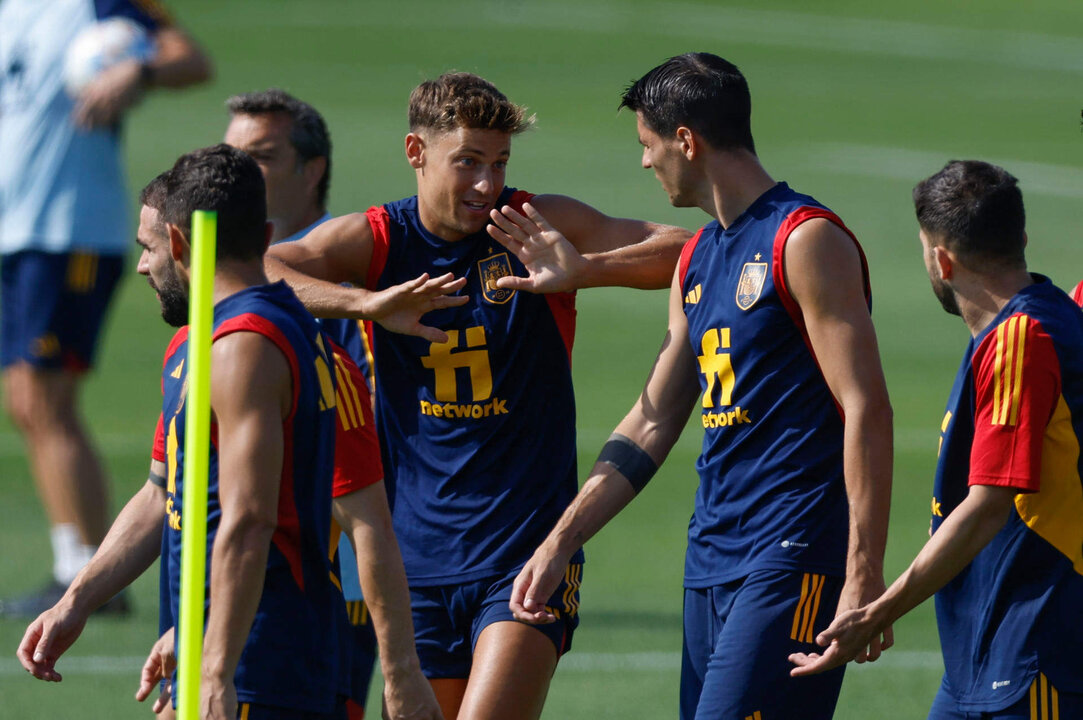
(477, 207)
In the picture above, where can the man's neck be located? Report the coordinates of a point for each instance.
(985, 296)
(284, 228)
(735, 180)
(233, 276)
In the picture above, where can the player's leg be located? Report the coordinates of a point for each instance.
(513, 663)
(764, 619)
(53, 308)
(442, 637)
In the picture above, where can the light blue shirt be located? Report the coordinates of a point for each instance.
(61, 188)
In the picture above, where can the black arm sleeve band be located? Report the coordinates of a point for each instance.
(629, 460)
(156, 479)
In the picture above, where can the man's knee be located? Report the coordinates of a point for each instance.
(39, 400)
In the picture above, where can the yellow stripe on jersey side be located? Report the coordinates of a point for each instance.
(804, 617)
(245, 707)
(1008, 370)
(1044, 699)
(754, 716)
(1054, 511)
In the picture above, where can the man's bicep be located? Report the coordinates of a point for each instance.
(338, 250)
(826, 277)
(672, 386)
(251, 391)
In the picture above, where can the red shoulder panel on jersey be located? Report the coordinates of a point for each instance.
(686, 257)
(1017, 385)
(1077, 294)
(381, 241)
(562, 305)
(796, 218)
(157, 451)
(250, 322)
(791, 223)
(518, 198)
(287, 535)
(357, 448)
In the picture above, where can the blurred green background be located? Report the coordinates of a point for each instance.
(852, 102)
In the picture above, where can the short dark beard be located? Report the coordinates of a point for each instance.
(946, 297)
(174, 301)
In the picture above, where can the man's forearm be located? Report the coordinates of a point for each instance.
(129, 548)
(321, 298)
(868, 454)
(238, 568)
(962, 535)
(646, 265)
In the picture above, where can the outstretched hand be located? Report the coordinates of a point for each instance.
(49, 637)
(533, 587)
(552, 262)
(399, 308)
(159, 666)
(849, 637)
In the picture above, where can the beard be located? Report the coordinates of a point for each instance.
(174, 301)
(946, 297)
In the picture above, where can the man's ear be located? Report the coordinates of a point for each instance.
(415, 150)
(689, 143)
(179, 248)
(945, 260)
(313, 171)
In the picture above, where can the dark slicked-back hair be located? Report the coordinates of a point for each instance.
(699, 91)
(974, 209)
(464, 100)
(226, 180)
(308, 134)
(154, 194)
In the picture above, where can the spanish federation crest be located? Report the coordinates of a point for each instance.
(490, 269)
(750, 285)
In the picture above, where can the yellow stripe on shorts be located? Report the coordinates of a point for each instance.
(804, 617)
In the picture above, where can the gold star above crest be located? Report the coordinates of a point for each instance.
(758, 256)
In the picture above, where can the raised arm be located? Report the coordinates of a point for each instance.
(640, 443)
(251, 391)
(366, 519)
(339, 251)
(178, 62)
(824, 272)
(129, 548)
(567, 245)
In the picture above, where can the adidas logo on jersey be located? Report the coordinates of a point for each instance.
(693, 296)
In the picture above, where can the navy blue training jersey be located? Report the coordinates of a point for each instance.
(291, 658)
(771, 492)
(1015, 419)
(478, 433)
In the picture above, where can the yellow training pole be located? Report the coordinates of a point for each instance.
(197, 436)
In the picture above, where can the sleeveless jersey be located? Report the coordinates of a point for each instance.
(1015, 419)
(61, 188)
(477, 433)
(771, 492)
(292, 656)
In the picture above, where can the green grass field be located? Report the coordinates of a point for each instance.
(851, 104)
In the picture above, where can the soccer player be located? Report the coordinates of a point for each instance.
(771, 341)
(290, 142)
(476, 416)
(1005, 558)
(63, 237)
(281, 508)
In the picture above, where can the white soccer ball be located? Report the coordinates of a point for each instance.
(102, 45)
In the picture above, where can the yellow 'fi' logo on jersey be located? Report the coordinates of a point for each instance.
(750, 285)
(491, 269)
